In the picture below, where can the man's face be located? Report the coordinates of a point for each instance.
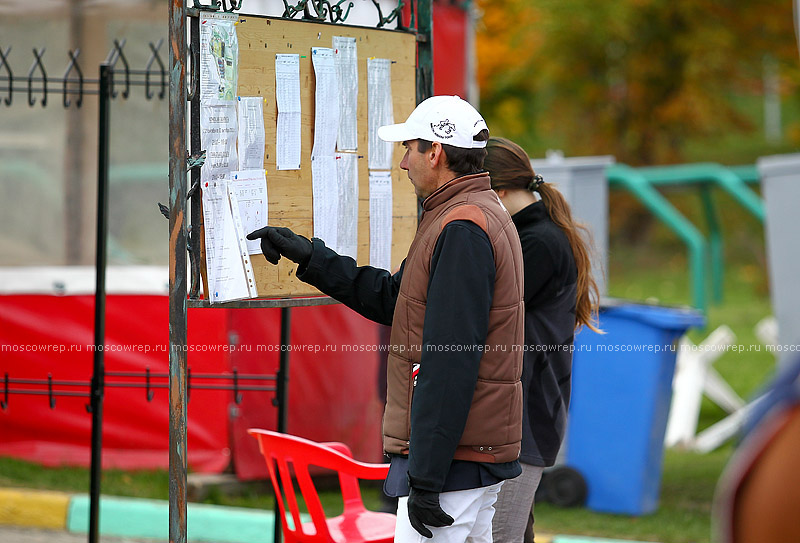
(419, 169)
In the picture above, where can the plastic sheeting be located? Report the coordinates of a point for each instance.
(332, 386)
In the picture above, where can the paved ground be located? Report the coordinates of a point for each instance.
(13, 534)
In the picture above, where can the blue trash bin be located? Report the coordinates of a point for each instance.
(621, 393)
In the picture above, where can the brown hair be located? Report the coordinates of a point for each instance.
(510, 168)
(461, 161)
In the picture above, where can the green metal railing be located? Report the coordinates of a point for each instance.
(637, 184)
(703, 254)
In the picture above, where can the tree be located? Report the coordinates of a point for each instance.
(634, 78)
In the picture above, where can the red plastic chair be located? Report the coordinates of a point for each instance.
(356, 524)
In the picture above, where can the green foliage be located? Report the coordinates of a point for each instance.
(640, 79)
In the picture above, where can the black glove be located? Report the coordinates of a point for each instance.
(423, 508)
(277, 242)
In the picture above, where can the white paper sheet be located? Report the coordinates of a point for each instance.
(379, 112)
(219, 56)
(230, 273)
(251, 132)
(380, 220)
(250, 188)
(218, 138)
(326, 102)
(325, 199)
(347, 233)
(346, 60)
(287, 96)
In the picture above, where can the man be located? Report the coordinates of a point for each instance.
(452, 424)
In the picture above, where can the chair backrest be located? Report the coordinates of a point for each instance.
(285, 454)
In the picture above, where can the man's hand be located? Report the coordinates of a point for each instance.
(423, 508)
(277, 242)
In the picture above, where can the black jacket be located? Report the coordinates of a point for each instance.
(550, 297)
(459, 297)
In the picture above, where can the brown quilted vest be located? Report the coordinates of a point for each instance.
(494, 426)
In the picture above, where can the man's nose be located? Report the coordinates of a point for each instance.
(404, 162)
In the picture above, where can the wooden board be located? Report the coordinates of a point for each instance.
(290, 192)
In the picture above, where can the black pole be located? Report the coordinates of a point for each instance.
(282, 382)
(424, 50)
(282, 396)
(98, 374)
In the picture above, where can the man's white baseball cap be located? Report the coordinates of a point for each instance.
(446, 119)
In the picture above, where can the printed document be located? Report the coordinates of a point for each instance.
(326, 102)
(347, 232)
(230, 273)
(251, 132)
(250, 188)
(380, 220)
(218, 138)
(346, 58)
(287, 96)
(325, 196)
(219, 56)
(379, 112)
(324, 176)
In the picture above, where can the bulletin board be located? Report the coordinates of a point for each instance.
(290, 191)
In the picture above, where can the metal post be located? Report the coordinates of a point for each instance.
(424, 50)
(177, 272)
(716, 257)
(98, 373)
(282, 398)
(194, 122)
(282, 384)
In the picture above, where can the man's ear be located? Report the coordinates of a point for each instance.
(501, 193)
(436, 154)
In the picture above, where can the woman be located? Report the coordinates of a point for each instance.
(560, 296)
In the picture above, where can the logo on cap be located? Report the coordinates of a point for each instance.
(443, 129)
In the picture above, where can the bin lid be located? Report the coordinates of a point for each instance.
(663, 317)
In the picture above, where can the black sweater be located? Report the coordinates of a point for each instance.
(550, 297)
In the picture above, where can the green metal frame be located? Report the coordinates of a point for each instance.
(724, 178)
(707, 175)
(703, 255)
(638, 185)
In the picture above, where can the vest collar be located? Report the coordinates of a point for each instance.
(466, 183)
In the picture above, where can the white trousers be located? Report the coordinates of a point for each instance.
(472, 511)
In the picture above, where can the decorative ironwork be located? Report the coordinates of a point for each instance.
(196, 160)
(39, 86)
(162, 70)
(394, 14)
(73, 64)
(118, 54)
(213, 6)
(228, 6)
(322, 10)
(4, 63)
(153, 381)
(37, 64)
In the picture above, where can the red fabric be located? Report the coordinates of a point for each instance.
(449, 49)
(135, 432)
(332, 395)
(333, 381)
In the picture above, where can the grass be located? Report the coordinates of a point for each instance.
(687, 489)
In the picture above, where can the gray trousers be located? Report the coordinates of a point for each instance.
(514, 505)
